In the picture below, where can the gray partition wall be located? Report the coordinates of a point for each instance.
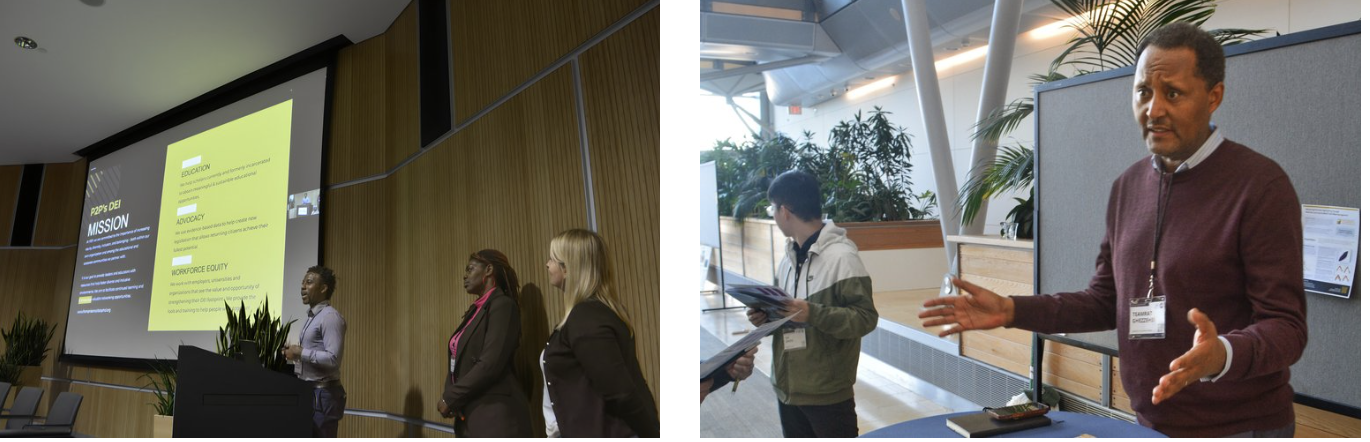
(1294, 98)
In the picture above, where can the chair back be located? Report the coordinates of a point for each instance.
(63, 411)
(25, 404)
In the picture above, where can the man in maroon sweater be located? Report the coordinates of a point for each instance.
(1221, 226)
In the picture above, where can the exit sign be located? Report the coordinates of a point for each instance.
(796, 110)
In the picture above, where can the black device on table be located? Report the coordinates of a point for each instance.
(1015, 412)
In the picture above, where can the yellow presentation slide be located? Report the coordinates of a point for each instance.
(222, 231)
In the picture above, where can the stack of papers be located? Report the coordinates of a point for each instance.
(730, 354)
(767, 298)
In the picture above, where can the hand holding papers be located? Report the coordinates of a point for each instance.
(769, 299)
(720, 361)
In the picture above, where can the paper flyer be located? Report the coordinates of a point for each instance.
(1330, 239)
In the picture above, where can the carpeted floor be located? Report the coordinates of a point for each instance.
(750, 412)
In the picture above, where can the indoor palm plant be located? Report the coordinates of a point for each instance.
(1011, 171)
(26, 346)
(260, 327)
(1107, 34)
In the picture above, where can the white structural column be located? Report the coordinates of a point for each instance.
(930, 100)
(1003, 33)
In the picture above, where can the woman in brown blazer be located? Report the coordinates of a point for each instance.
(594, 385)
(480, 390)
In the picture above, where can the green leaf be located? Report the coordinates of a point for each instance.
(1011, 170)
(1003, 120)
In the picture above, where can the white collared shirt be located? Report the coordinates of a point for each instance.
(1211, 144)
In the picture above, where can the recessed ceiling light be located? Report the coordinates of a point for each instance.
(25, 42)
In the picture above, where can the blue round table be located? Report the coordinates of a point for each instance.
(1063, 424)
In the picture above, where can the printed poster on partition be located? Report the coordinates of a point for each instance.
(1330, 238)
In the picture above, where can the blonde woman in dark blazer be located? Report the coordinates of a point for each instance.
(594, 385)
(480, 391)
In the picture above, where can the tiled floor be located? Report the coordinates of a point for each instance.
(884, 395)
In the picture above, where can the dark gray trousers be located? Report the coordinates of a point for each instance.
(329, 404)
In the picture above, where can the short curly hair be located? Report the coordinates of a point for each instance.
(1212, 64)
(327, 277)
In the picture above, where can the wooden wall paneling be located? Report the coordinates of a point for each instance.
(27, 280)
(37, 281)
(621, 84)
(358, 140)
(106, 412)
(1080, 377)
(58, 299)
(402, 86)
(1014, 271)
(1063, 371)
(1014, 335)
(1000, 286)
(894, 235)
(983, 348)
(358, 235)
(9, 195)
(355, 426)
(1120, 400)
(508, 182)
(59, 206)
(498, 45)
(981, 251)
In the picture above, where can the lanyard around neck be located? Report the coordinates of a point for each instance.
(1162, 201)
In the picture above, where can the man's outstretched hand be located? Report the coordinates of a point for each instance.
(1206, 358)
(978, 309)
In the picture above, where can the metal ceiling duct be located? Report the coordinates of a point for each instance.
(854, 40)
(757, 40)
(873, 41)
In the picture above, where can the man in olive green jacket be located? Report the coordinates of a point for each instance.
(815, 362)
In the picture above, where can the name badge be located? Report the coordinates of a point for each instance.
(1146, 318)
(451, 365)
(795, 339)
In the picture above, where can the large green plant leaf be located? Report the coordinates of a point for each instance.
(1108, 32)
(1011, 170)
(1003, 120)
